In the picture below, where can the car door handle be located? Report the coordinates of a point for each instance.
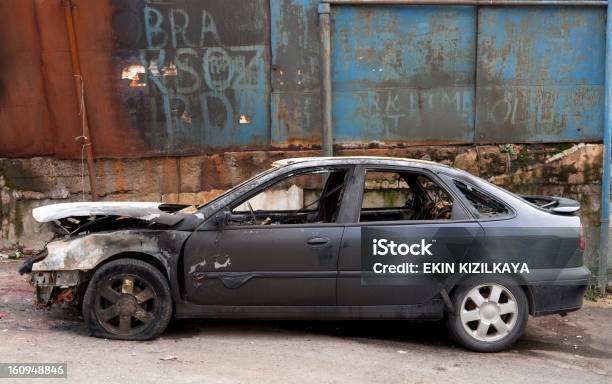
(318, 241)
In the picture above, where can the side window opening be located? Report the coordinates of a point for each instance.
(483, 204)
(441, 203)
(402, 196)
(310, 197)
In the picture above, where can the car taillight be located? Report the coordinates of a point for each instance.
(582, 238)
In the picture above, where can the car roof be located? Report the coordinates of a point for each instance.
(355, 160)
(374, 160)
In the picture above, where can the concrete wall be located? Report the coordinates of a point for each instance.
(563, 169)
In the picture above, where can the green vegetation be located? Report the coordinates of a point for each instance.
(593, 292)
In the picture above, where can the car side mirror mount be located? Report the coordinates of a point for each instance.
(222, 218)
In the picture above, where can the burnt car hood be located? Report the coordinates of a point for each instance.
(146, 211)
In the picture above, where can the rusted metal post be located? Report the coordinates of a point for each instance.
(607, 158)
(79, 89)
(327, 146)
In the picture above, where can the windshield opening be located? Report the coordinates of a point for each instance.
(228, 191)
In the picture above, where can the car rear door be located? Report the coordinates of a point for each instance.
(451, 240)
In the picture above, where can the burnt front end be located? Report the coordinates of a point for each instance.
(58, 273)
(90, 234)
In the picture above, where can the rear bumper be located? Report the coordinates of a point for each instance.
(557, 290)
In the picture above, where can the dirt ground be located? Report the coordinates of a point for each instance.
(573, 349)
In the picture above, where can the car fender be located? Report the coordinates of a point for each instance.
(84, 253)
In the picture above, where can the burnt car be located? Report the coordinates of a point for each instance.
(321, 238)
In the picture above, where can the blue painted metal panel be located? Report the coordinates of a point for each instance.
(194, 75)
(295, 98)
(403, 73)
(540, 74)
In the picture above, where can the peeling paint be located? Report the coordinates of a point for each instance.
(225, 264)
(194, 267)
(132, 71)
(244, 119)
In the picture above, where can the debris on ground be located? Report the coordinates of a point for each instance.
(15, 255)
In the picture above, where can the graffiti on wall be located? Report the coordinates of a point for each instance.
(465, 74)
(403, 73)
(396, 114)
(540, 74)
(190, 79)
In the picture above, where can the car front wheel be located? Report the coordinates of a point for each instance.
(490, 314)
(127, 299)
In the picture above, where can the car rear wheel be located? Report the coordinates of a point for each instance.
(490, 314)
(127, 299)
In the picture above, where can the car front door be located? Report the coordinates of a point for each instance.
(277, 246)
(405, 206)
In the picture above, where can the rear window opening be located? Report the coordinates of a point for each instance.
(485, 206)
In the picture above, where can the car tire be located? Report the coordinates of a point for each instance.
(127, 299)
(490, 313)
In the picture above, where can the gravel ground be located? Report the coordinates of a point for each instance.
(573, 349)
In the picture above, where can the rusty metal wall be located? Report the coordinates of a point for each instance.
(195, 74)
(540, 74)
(177, 77)
(403, 73)
(170, 77)
(296, 101)
(25, 125)
(462, 74)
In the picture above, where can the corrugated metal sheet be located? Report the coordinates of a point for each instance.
(160, 77)
(403, 73)
(190, 76)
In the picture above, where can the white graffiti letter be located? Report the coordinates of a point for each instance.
(184, 66)
(208, 26)
(176, 29)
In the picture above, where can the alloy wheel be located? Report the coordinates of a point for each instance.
(124, 304)
(488, 312)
